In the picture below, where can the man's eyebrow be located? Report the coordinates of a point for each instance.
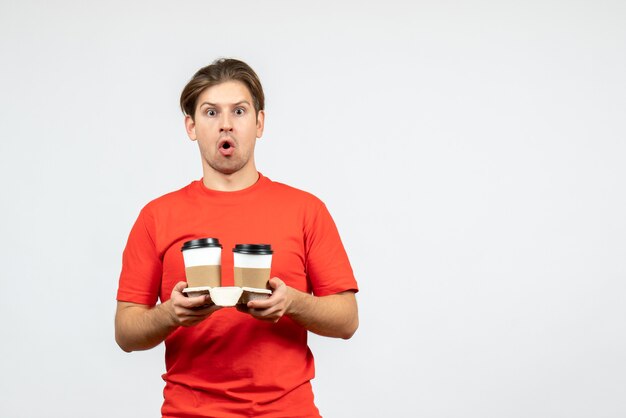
(234, 104)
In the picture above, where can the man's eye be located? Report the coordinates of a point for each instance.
(239, 111)
(211, 112)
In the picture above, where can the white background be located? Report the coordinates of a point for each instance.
(472, 154)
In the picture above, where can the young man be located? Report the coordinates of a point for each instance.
(224, 362)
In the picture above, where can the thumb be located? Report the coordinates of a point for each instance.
(180, 286)
(275, 283)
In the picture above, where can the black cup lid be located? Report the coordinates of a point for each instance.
(257, 249)
(201, 243)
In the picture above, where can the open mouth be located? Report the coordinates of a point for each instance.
(226, 147)
(226, 143)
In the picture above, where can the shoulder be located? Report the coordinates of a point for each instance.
(290, 194)
(169, 201)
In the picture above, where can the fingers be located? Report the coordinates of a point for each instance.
(193, 302)
(272, 314)
(279, 290)
(188, 311)
(272, 308)
(180, 286)
(188, 317)
(184, 301)
(275, 283)
(203, 310)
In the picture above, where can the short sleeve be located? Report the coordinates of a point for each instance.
(142, 268)
(327, 264)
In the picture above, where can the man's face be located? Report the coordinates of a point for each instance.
(226, 127)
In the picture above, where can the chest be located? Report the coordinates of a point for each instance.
(252, 224)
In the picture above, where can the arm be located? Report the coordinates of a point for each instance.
(330, 316)
(141, 327)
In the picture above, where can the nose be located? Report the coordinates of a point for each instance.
(225, 123)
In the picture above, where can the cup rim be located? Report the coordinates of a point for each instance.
(201, 243)
(253, 249)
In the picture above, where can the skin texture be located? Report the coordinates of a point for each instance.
(225, 113)
(330, 316)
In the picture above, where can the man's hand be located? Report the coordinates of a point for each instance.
(141, 327)
(189, 311)
(332, 315)
(274, 307)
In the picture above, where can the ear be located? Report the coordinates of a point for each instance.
(190, 127)
(260, 123)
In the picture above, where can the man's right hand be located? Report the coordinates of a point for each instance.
(141, 327)
(189, 311)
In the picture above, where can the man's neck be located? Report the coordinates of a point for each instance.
(239, 180)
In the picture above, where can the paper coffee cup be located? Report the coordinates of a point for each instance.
(252, 263)
(203, 262)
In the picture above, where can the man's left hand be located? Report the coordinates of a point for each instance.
(274, 307)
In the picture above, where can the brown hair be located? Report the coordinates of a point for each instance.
(221, 70)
